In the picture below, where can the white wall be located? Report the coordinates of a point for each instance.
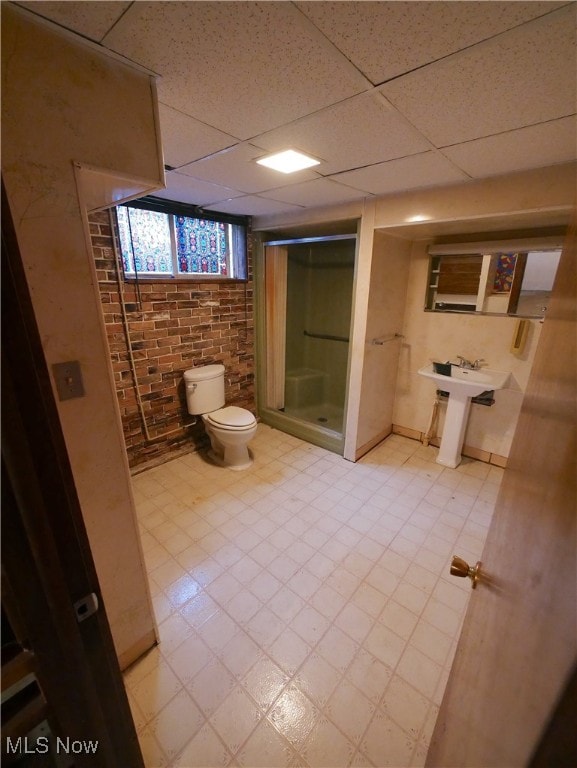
(385, 312)
(66, 104)
(519, 202)
(442, 336)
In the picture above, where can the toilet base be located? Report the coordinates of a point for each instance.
(237, 462)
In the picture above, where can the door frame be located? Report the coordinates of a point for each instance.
(47, 563)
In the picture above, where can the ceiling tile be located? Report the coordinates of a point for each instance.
(426, 170)
(242, 67)
(523, 77)
(189, 190)
(252, 205)
(538, 145)
(239, 164)
(318, 192)
(386, 39)
(93, 19)
(359, 131)
(185, 139)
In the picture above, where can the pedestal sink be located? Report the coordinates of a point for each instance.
(462, 385)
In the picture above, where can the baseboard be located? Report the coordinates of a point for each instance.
(372, 443)
(414, 434)
(137, 650)
(468, 450)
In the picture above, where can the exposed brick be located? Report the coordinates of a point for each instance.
(173, 326)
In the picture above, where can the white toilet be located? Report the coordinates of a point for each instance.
(230, 429)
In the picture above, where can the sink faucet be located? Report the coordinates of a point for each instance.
(471, 365)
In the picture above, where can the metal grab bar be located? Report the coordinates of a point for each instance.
(384, 339)
(325, 336)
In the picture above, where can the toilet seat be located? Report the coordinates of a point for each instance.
(231, 418)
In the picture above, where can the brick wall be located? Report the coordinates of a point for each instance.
(172, 326)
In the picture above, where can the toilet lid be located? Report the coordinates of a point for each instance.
(232, 416)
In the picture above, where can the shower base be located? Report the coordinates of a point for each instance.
(324, 415)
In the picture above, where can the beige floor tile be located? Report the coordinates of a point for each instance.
(320, 586)
(218, 630)
(152, 753)
(386, 744)
(405, 706)
(264, 585)
(286, 604)
(337, 648)
(355, 622)
(318, 679)
(369, 675)
(211, 686)
(431, 641)
(399, 619)
(289, 651)
(265, 682)
(198, 610)
(442, 617)
(350, 710)
(235, 719)
(328, 601)
(240, 654)
(243, 606)
(385, 644)
(189, 658)
(264, 627)
(156, 689)
(176, 724)
(327, 747)
(294, 716)
(182, 590)
(420, 671)
(310, 624)
(205, 750)
(266, 748)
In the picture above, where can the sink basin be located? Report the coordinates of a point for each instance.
(467, 381)
(462, 385)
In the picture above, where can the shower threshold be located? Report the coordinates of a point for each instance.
(323, 415)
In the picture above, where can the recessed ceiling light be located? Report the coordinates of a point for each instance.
(288, 161)
(418, 217)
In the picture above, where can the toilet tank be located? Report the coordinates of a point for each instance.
(204, 389)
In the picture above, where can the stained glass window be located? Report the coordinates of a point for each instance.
(145, 241)
(201, 246)
(162, 243)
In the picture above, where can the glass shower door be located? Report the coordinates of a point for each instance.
(309, 287)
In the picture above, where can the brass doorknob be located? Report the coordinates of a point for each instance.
(460, 568)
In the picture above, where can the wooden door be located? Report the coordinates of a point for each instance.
(47, 565)
(518, 646)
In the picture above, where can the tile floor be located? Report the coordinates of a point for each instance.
(305, 610)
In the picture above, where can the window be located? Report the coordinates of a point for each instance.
(165, 239)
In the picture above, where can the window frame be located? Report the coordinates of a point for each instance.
(172, 208)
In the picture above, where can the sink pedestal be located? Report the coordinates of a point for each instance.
(454, 431)
(462, 385)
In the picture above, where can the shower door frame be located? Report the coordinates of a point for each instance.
(267, 380)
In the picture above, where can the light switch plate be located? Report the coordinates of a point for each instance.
(68, 378)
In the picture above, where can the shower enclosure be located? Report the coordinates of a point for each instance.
(308, 288)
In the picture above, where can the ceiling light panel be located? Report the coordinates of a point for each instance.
(288, 161)
(237, 163)
(344, 141)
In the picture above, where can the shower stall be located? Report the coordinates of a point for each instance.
(307, 288)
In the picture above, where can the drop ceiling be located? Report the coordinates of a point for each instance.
(390, 96)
